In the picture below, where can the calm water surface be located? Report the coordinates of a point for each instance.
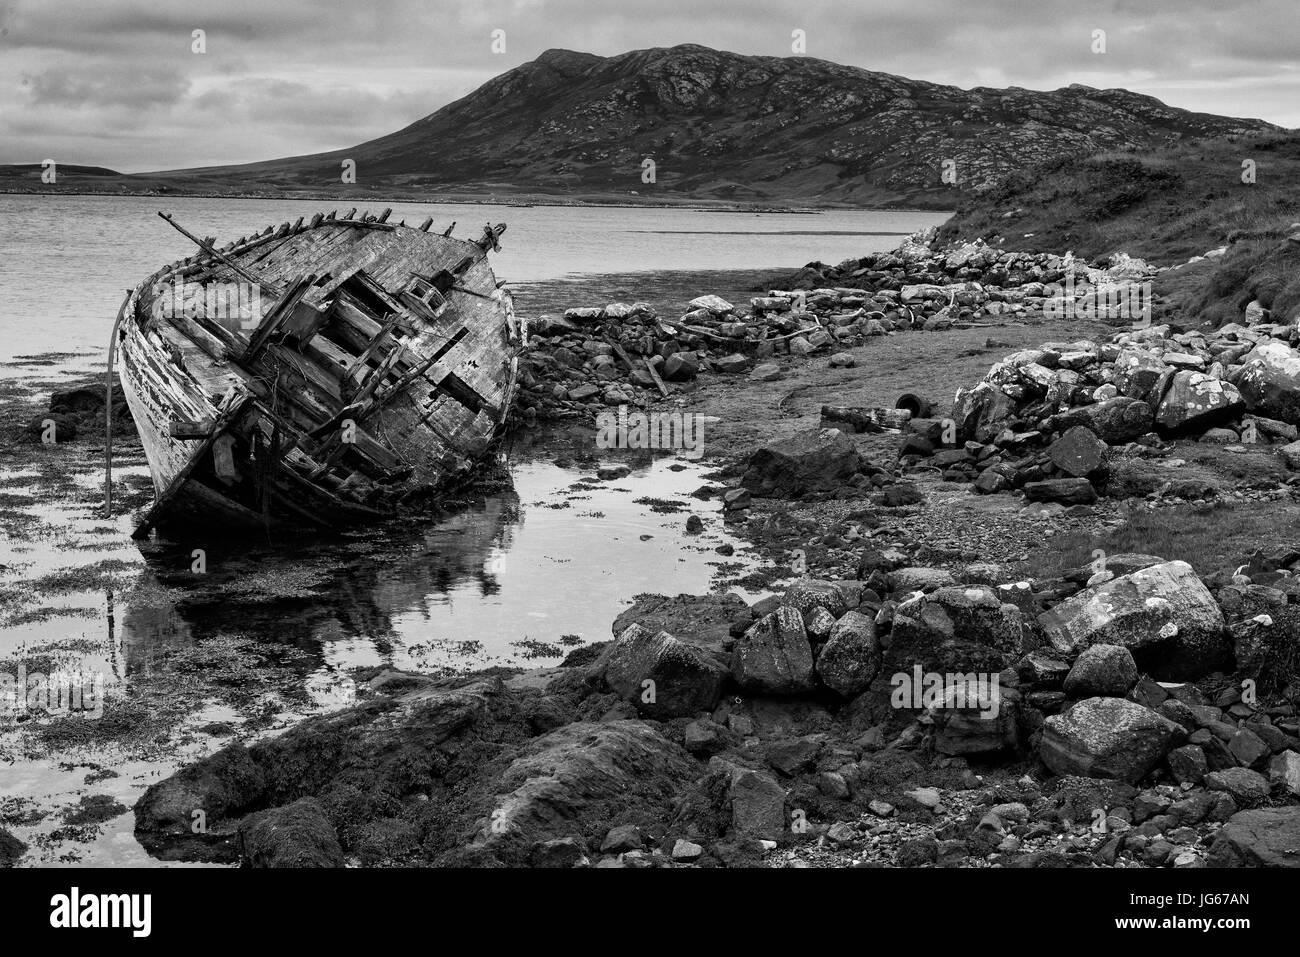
(66, 261)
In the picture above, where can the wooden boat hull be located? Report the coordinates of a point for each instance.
(318, 375)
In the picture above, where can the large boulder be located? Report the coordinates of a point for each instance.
(970, 613)
(980, 720)
(1195, 402)
(757, 805)
(775, 656)
(221, 786)
(1115, 421)
(681, 367)
(1066, 491)
(919, 578)
(980, 406)
(1078, 452)
(1264, 645)
(1243, 785)
(1270, 381)
(817, 462)
(703, 620)
(1108, 738)
(851, 656)
(1163, 614)
(808, 594)
(664, 677)
(1267, 837)
(1136, 372)
(714, 304)
(11, 849)
(1102, 671)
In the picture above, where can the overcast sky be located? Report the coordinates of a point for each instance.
(115, 82)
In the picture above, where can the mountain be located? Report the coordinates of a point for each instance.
(724, 126)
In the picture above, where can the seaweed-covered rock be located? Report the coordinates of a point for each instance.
(775, 656)
(573, 780)
(296, 835)
(663, 677)
(818, 462)
(11, 849)
(851, 656)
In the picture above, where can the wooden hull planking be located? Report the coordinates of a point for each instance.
(370, 363)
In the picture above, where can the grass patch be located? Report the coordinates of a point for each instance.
(1211, 538)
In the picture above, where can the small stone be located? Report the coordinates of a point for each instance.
(686, 851)
(1248, 748)
(1187, 764)
(841, 833)
(1242, 784)
(625, 837)
(1284, 771)
(926, 797)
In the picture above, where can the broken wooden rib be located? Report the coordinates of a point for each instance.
(360, 382)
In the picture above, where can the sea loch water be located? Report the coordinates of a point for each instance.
(66, 261)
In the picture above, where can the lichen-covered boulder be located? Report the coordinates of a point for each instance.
(1102, 670)
(1108, 738)
(1163, 614)
(1270, 381)
(1195, 402)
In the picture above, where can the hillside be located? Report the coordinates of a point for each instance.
(723, 127)
(1167, 206)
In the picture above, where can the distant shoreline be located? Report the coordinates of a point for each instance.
(695, 205)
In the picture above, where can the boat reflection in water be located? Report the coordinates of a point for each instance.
(313, 591)
(517, 578)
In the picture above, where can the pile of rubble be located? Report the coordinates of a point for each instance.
(621, 353)
(625, 354)
(1049, 420)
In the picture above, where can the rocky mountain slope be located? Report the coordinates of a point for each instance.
(725, 126)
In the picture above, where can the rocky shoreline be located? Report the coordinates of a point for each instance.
(904, 702)
(712, 733)
(621, 353)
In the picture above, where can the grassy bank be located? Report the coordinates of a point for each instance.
(1166, 206)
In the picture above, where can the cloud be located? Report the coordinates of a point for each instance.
(87, 87)
(114, 82)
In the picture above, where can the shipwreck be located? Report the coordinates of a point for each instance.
(319, 374)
